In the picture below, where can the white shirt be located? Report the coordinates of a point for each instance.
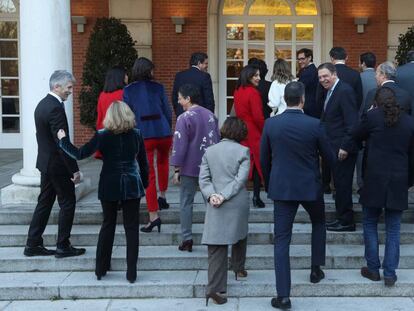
(56, 96)
(276, 100)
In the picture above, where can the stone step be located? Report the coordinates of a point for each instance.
(90, 214)
(87, 235)
(191, 284)
(259, 257)
(199, 304)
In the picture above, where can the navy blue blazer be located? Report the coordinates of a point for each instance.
(289, 155)
(353, 78)
(405, 80)
(148, 101)
(402, 96)
(200, 79)
(124, 173)
(339, 117)
(309, 77)
(387, 169)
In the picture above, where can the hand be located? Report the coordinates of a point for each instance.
(176, 178)
(61, 134)
(216, 200)
(76, 177)
(342, 154)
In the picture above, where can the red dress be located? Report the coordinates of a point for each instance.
(248, 107)
(104, 101)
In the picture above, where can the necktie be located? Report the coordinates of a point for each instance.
(327, 98)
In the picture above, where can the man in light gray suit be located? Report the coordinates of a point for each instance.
(405, 77)
(367, 63)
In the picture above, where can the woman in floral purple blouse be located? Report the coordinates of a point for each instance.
(196, 129)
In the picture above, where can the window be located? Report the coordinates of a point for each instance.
(265, 29)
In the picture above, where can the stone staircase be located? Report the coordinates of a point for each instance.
(164, 272)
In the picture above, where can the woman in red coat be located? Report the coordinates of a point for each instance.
(248, 107)
(115, 80)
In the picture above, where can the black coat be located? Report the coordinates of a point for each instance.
(49, 118)
(200, 79)
(124, 173)
(339, 117)
(388, 162)
(309, 77)
(353, 78)
(264, 87)
(402, 96)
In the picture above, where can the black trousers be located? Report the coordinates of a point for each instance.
(284, 215)
(326, 174)
(130, 213)
(257, 183)
(52, 186)
(343, 175)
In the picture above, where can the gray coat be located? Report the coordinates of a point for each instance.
(224, 169)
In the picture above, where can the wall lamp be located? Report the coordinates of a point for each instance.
(80, 22)
(178, 22)
(360, 22)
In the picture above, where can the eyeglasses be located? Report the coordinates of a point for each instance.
(301, 59)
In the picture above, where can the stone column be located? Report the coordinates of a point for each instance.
(45, 46)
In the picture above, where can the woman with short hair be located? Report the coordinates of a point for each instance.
(387, 175)
(123, 178)
(223, 175)
(153, 116)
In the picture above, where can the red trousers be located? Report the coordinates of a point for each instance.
(161, 146)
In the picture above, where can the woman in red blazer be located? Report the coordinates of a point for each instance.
(248, 107)
(115, 80)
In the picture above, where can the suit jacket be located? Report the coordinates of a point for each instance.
(224, 169)
(264, 87)
(405, 80)
(149, 103)
(200, 79)
(387, 167)
(289, 155)
(124, 173)
(353, 78)
(309, 77)
(49, 118)
(339, 118)
(369, 82)
(403, 97)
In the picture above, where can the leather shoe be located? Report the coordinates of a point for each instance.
(39, 250)
(162, 203)
(316, 274)
(373, 276)
(258, 203)
(69, 251)
(327, 189)
(390, 280)
(281, 303)
(338, 227)
(332, 222)
(186, 246)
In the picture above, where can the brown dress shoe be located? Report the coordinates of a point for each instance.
(373, 276)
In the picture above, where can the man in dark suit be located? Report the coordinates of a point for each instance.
(405, 77)
(308, 75)
(197, 75)
(339, 116)
(59, 172)
(264, 85)
(292, 179)
(385, 75)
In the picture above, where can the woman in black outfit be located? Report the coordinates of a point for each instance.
(123, 178)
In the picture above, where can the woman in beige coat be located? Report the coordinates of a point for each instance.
(223, 174)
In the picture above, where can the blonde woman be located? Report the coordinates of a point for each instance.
(281, 76)
(123, 178)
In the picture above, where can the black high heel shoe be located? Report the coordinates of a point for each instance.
(217, 299)
(240, 274)
(151, 225)
(162, 203)
(257, 202)
(131, 276)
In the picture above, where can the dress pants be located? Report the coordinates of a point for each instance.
(188, 189)
(50, 187)
(162, 147)
(130, 213)
(284, 215)
(343, 174)
(217, 264)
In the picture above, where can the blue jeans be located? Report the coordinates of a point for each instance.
(392, 240)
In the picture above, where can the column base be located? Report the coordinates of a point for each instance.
(18, 194)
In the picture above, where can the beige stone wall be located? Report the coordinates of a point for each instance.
(137, 16)
(400, 17)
